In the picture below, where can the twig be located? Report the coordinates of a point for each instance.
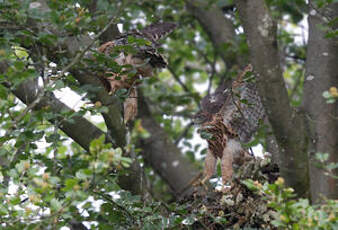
(30, 106)
(109, 199)
(184, 133)
(39, 218)
(212, 64)
(295, 87)
(213, 71)
(80, 55)
(184, 86)
(22, 115)
(177, 78)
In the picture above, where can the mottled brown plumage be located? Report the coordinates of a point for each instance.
(231, 116)
(142, 62)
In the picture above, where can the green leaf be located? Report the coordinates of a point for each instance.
(326, 94)
(122, 93)
(69, 184)
(55, 204)
(332, 166)
(125, 161)
(3, 92)
(250, 184)
(15, 200)
(59, 84)
(97, 144)
(19, 66)
(189, 220)
(322, 157)
(3, 210)
(84, 174)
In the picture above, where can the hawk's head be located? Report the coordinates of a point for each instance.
(202, 117)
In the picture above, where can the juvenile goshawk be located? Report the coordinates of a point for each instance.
(137, 64)
(230, 116)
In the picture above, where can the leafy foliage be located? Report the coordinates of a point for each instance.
(292, 213)
(48, 181)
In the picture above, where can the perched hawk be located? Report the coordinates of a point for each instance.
(230, 116)
(141, 61)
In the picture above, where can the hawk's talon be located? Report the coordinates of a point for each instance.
(202, 182)
(225, 188)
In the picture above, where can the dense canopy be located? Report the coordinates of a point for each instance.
(69, 161)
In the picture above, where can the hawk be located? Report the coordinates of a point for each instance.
(230, 116)
(141, 62)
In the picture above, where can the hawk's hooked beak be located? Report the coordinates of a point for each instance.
(197, 121)
(200, 118)
(193, 121)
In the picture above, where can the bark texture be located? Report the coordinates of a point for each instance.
(219, 29)
(288, 126)
(113, 118)
(26, 92)
(321, 74)
(165, 157)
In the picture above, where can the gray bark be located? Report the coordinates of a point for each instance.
(287, 124)
(219, 29)
(165, 157)
(113, 118)
(321, 74)
(75, 130)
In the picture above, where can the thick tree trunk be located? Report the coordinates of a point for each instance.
(288, 126)
(164, 156)
(220, 30)
(321, 74)
(113, 118)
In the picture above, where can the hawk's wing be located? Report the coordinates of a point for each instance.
(152, 33)
(243, 111)
(157, 31)
(239, 104)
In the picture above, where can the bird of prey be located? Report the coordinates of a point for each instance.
(139, 63)
(230, 116)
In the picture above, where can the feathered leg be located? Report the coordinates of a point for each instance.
(130, 105)
(232, 148)
(210, 166)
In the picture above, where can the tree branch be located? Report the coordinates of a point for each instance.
(164, 156)
(177, 78)
(321, 74)
(288, 126)
(113, 118)
(184, 133)
(75, 130)
(181, 83)
(219, 29)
